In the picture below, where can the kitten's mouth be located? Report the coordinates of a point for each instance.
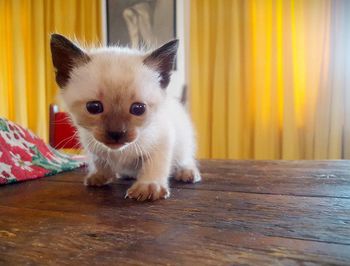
(113, 145)
(116, 140)
(117, 146)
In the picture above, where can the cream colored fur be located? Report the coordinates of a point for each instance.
(165, 142)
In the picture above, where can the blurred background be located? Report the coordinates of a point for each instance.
(264, 79)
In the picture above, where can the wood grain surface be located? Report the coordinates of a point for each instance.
(242, 213)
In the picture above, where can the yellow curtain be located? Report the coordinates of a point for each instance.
(27, 84)
(270, 79)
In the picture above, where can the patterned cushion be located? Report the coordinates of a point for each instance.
(24, 156)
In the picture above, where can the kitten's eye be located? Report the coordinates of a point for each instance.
(94, 107)
(137, 109)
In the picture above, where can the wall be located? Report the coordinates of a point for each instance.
(179, 77)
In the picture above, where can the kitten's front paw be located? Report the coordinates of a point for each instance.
(147, 191)
(97, 180)
(189, 175)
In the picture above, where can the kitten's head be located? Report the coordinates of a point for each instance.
(112, 93)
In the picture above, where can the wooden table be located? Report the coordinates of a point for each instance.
(244, 212)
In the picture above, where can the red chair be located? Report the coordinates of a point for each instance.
(62, 134)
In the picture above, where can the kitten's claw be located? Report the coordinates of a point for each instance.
(97, 180)
(142, 191)
(189, 175)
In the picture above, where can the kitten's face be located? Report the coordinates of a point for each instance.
(112, 93)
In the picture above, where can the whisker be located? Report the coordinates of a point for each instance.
(66, 140)
(137, 156)
(141, 154)
(65, 119)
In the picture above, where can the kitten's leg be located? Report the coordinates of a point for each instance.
(152, 182)
(100, 174)
(187, 172)
(186, 169)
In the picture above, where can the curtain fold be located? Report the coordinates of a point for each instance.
(27, 84)
(270, 79)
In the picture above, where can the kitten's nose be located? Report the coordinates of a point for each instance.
(116, 135)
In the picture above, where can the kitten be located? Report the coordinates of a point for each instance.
(126, 122)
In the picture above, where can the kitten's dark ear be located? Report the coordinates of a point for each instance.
(162, 60)
(65, 56)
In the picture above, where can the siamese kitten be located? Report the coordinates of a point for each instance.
(126, 122)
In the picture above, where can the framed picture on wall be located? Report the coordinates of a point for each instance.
(136, 23)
